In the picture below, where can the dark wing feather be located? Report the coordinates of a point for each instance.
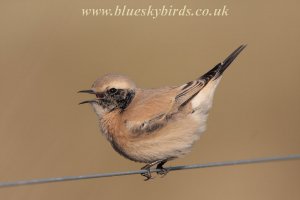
(184, 94)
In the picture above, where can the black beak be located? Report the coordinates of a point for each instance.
(87, 91)
(88, 101)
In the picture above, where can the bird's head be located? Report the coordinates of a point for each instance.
(113, 92)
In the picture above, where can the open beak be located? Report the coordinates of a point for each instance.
(88, 101)
(88, 92)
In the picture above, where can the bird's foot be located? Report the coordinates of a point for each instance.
(147, 174)
(147, 167)
(162, 171)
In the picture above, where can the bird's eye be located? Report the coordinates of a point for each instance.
(112, 90)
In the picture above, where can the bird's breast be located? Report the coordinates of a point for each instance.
(113, 129)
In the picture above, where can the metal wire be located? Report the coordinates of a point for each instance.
(183, 167)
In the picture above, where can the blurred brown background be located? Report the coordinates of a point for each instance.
(48, 52)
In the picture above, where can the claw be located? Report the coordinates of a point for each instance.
(163, 172)
(147, 174)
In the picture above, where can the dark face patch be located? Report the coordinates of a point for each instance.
(115, 98)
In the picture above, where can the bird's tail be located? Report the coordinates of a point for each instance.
(218, 70)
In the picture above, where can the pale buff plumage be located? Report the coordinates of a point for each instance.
(155, 125)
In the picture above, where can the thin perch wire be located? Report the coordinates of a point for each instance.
(175, 168)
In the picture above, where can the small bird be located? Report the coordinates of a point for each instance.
(154, 126)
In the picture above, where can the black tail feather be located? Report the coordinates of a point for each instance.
(218, 70)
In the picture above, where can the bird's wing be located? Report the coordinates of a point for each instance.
(147, 111)
(152, 109)
(188, 91)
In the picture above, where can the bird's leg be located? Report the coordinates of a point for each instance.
(147, 167)
(163, 171)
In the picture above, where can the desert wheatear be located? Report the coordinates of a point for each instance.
(154, 126)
